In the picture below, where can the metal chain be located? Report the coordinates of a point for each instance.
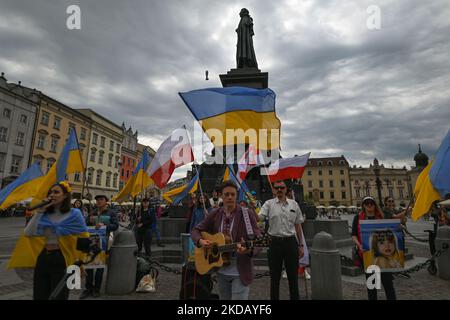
(422, 265)
(414, 237)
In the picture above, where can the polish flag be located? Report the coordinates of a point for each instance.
(289, 168)
(174, 152)
(251, 158)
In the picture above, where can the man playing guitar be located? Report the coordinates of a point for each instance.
(239, 225)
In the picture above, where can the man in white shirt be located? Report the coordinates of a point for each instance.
(285, 218)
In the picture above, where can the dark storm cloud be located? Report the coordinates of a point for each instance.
(341, 88)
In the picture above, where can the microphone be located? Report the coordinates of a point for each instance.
(40, 205)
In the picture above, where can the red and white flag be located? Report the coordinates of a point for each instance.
(174, 152)
(289, 168)
(251, 158)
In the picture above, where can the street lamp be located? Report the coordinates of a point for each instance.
(376, 169)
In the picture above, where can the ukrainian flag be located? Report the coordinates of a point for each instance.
(24, 187)
(239, 109)
(69, 162)
(138, 180)
(433, 182)
(176, 195)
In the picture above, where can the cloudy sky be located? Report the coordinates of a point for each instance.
(342, 88)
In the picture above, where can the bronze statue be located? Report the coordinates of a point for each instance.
(245, 54)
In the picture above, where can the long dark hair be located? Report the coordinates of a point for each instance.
(66, 204)
(79, 201)
(206, 201)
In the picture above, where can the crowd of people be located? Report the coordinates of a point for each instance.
(55, 226)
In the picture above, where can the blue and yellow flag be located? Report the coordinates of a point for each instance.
(138, 181)
(249, 113)
(69, 162)
(424, 193)
(440, 171)
(176, 195)
(24, 187)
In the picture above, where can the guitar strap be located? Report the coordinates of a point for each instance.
(248, 225)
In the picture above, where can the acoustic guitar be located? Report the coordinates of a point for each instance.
(212, 257)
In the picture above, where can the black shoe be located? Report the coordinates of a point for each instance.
(96, 293)
(85, 294)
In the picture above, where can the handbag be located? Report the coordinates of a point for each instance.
(148, 282)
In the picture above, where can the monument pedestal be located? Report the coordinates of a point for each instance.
(337, 228)
(245, 77)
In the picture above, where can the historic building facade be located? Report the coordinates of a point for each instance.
(18, 108)
(326, 181)
(103, 159)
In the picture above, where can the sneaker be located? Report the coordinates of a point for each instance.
(96, 293)
(85, 294)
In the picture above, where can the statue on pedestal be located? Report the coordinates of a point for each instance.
(245, 54)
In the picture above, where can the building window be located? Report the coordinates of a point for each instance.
(310, 184)
(358, 193)
(7, 113)
(331, 195)
(102, 142)
(90, 175)
(3, 134)
(400, 192)
(331, 184)
(50, 163)
(344, 196)
(342, 162)
(128, 173)
(57, 123)
(329, 163)
(54, 144)
(23, 119)
(20, 138)
(310, 194)
(108, 179)
(111, 146)
(330, 172)
(71, 126)
(356, 182)
(343, 183)
(93, 152)
(110, 158)
(83, 134)
(309, 173)
(118, 148)
(45, 118)
(94, 138)
(98, 180)
(391, 192)
(15, 164)
(76, 177)
(399, 182)
(123, 172)
(115, 180)
(100, 156)
(341, 171)
(116, 165)
(319, 163)
(320, 172)
(129, 162)
(41, 141)
(2, 161)
(321, 195)
(320, 184)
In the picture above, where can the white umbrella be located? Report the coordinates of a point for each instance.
(342, 207)
(331, 207)
(85, 201)
(320, 207)
(352, 207)
(445, 202)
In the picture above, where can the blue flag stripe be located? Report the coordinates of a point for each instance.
(33, 172)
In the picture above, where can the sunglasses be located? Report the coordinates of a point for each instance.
(390, 201)
(279, 188)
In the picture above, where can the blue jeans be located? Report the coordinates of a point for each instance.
(231, 288)
(155, 230)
